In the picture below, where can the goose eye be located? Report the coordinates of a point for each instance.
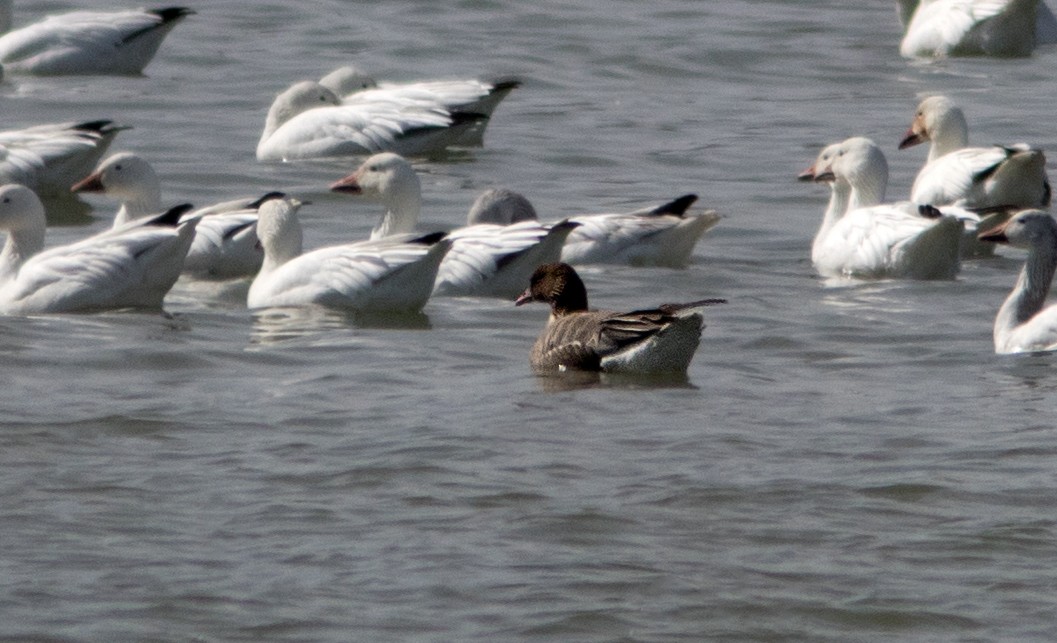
(117, 167)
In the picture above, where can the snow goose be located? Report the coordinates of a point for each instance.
(388, 275)
(1022, 324)
(486, 260)
(89, 42)
(663, 235)
(861, 237)
(973, 177)
(225, 244)
(125, 268)
(308, 121)
(1045, 21)
(661, 339)
(48, 159)
(457, 96)
(941, 28)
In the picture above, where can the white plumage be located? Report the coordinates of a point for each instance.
(1022, 324)
(940, 28)
(48, 159)
(663, 235)
(388, 275)
(309, 121)
(861, 237)
(225, 244)
(89, 42)
(123, 268)
(485, 260)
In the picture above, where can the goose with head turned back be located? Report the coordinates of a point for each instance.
(1022, 323)
(661, 339)
(663, 235)
(485, 260)
(354, 86)
(942, 28)
(864, 238)
(387, 275)
(128, 268)
(88, 42)
(308, 121)
(225, 244)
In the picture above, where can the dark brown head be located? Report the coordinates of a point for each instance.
(556, 284)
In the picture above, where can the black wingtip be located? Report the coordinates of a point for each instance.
(168, 14)
(461, 118)
(505, 84)
(274, 194)
(929, 211)
(429, 239)
(677, 207)
(171, 217)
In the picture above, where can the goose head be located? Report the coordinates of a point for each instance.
(346, 80)
(387, 178)
(939, 120)
(124, 175)
(298, 98)
(20, 209)
(862, 165)
(279, 230)
(556, 284)
(1026, 229)
(821, 171)
(500, 206)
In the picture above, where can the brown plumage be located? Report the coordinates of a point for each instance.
(651, 340)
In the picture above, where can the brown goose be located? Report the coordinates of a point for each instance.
(661, 339)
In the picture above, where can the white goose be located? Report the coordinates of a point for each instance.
(861, 238)
(225, 244)
(663, 235)
(353, 86)
(973, 177)
(49, 158)
(88, 42)
(941, 28)
(127, 268)
(388, 275)
(486, 260)
(309, 121)
(1022, 324)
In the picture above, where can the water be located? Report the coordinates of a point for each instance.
(841, 463)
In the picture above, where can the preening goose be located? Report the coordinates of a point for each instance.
(663, 235)
(863, 238)
(354, 86)
(485, 260)
(1022, 324)
(309, 121)
(125, 268)
(88, 42)
(654, 340)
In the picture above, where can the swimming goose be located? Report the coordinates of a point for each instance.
(486, 260)
(309, 121)
(89, 42)
(973, 177)
(225, 244)
(861, 237)
(49, 158)
(125, 268)
(1022, 324)
(661, 339)
(664, 235)
(387, 275)
(940, 28)
(1045, 21)
(354, 86)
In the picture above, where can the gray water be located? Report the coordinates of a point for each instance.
(842, 463)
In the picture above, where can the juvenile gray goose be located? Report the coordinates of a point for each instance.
(656, 340)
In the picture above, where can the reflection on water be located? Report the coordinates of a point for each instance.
(278, 325)
(576, 380)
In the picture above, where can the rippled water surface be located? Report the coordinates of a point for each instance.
(842, 462)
